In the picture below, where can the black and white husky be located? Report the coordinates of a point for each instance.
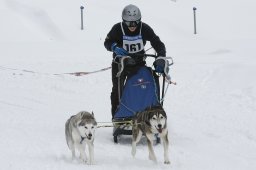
(151, 122)
(80, 130)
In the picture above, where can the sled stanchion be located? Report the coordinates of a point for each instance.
(119, 85)
(163, 87)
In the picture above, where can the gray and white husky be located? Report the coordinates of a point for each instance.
(80, 130)
(151, 122)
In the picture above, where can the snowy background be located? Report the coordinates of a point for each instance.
(211, 112)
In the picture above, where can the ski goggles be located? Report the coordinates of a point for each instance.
(132, 23)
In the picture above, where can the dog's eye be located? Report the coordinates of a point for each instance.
(154, 118)
(86, 127)
(92, 127)
(161, 117)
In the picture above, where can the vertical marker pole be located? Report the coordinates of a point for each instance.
(82, 18)
(194, 9)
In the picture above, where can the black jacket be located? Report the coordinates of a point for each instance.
(116, 36)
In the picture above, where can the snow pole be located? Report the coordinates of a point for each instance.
(82, 19)
(194, 9)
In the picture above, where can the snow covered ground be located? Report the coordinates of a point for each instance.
(211, 112)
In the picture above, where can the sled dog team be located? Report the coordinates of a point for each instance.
(80, 131)
(125, 38)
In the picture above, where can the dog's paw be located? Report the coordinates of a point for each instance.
(90, 162)
(73, 158)
(152, 158)
(167, 162)
(133, 152)
(83, 159)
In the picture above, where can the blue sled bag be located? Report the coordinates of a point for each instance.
(140, 91)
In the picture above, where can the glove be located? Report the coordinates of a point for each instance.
(159, 65)
(118, 51)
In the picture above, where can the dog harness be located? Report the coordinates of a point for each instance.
(82, 139)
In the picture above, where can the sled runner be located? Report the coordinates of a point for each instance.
(140, 90)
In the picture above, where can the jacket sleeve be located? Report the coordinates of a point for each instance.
(108, 42)
(155, 41)
(112, 37)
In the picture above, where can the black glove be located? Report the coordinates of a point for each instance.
(161, 66)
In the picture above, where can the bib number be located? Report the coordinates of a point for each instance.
(133, 44)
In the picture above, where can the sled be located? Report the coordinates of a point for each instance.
(140, 91)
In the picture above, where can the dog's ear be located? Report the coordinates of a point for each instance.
(80, 123)
(92, 114)
(81, 115)
(148, 123)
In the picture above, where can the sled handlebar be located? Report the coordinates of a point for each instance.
(154, 56)
(143, 55)
(148, 55)
(139, 55)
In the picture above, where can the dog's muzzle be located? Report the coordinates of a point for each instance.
(89, 136)
(159, 128)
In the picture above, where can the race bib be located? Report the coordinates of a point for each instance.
(133, 44)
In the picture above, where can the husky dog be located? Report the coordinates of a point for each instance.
(80, 130)
(151, 122)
